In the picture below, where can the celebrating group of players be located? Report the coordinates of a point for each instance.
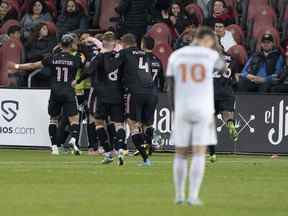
(125, 88)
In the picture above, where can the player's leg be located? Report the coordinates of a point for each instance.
(54, 110)
(148, 120)
(203, 134)
(135, 125)
(119, 131)
(212, 148)
(181, 136)
(101, 116)
(92, 136)
(196, 174)
(70, 110)
(91, 128)
(228, 108)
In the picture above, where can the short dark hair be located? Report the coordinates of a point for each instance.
(129, 39)
(13, 29)
(203, 32)
(220, 21)
(44, 5)
(148, 42)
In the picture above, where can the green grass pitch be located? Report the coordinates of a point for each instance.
(34, 183)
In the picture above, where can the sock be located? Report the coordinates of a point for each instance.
(112, 134)
(180, 170)
(103, 139)
(149, 137)
(120, 139)
(92, 137)
(138, 140)
(197, 170)
(62, 133)
(53, 133)
(74, 130)
(212, 150)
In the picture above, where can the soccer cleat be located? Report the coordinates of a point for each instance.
(232, 131)
(195, 202)
(107, 158)
(121, 157)
(76, 150)
(55, 150)
(147, 163)
(179, 201)
(212, 158)
(136, 153)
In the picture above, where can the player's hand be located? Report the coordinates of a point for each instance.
(74, 83)
(12, 67)
(258, 80)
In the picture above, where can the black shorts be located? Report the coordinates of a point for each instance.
(105, 111)
(224, 104)
(62, 99)
(141, 108)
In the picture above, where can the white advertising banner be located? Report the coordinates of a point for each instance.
(23, 117)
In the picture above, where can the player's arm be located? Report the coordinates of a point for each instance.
(161, 78)
(170, 82)
(170, 89)
(25, 67)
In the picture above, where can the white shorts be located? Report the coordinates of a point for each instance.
(189, 131)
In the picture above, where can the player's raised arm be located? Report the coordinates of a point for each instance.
(25, 67)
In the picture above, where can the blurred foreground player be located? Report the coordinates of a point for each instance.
(190, 72)
(63, 67)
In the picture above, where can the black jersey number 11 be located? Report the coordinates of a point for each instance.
(62, 74)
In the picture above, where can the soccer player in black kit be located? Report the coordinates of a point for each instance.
(107, 103)
(142, 75)
(224, 96)
(63, 67)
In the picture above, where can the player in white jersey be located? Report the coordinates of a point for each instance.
(190, 78)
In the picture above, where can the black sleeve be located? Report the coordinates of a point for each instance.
(88, 71)
(117, 61)
(46, 62)
(161, 78)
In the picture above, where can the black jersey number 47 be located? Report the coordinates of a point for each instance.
(150, 73)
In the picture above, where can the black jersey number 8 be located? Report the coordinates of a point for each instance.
(62, 72)
(113, 76)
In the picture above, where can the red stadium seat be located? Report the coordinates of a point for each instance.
(161, 33)
(265, 17)
(107, 12)
(163, 51)
(237, 32)
(285, 24)
(197, 10)
(255, 6)
(7, 25)
(11, 51)
(239, 53)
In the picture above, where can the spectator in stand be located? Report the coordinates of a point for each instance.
(40, 43)
(263, 67)
(185, 38)
(73, 18)
(220, 12)
(226, 38)
(282, 85)
(14, 32)
(37, 13)
(135, 13)
(6, 12)
(177, 18)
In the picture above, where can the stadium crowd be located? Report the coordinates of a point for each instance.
(249, 31)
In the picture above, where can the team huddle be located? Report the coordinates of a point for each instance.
(125, 89)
